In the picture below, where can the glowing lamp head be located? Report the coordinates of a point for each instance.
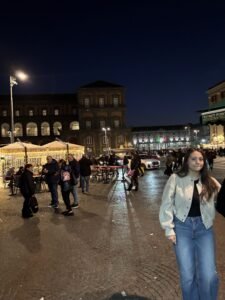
(21, 75)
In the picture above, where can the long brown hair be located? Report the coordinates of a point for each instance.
(208, 184)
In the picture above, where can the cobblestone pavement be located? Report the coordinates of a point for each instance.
(112, 246)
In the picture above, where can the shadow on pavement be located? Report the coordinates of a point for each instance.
(28, 234)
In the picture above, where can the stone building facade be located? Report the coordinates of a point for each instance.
(76, 118)
(214, 116)
(168, 137)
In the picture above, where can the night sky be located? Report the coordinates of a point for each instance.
(166, 53)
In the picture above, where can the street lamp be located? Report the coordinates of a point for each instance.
(196, 131)
(12, 80)
(106, 138)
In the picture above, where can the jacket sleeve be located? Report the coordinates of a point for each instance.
(166, 213)
(31, 184)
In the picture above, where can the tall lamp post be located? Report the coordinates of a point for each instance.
(106, 138)
(196, 131)
(12, 80)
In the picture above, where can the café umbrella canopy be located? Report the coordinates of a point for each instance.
(59, 149)
(19, 153)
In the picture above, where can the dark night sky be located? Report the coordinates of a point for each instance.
(166, 53)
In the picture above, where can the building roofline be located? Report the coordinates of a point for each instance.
(163, 127)
(213, 86)
(101, 84)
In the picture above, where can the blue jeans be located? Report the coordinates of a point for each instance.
(85, 183)
(195, 253)
(74, 193)
(54, 193)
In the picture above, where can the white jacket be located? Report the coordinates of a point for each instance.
(177, 199)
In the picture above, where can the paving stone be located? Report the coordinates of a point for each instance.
(113, 243)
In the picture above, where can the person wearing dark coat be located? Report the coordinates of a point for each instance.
(27, 189)
(134, 166)
(66, 186)
(52, 176)
(75, 172)
(85, 172)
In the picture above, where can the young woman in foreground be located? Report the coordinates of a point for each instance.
(187, 213)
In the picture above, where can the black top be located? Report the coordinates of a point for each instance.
(195, 205)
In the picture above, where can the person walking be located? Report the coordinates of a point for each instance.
(134, 170)
(51, 175)
(75, 173)
(186, 214)
(85, 172)
(27, 189)
(66, 186)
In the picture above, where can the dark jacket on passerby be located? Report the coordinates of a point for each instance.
(135, 164)
(125, 160)
(26, 183)
(85, 166)
(53, 175)
(75, 167)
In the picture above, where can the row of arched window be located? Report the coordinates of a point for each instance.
(32, 129)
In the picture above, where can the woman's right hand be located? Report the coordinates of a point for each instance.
(172, 238)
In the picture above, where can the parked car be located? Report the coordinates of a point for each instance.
(150, 162)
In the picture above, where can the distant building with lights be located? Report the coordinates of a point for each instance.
(77, 118)
(214, 116)
(168, 137)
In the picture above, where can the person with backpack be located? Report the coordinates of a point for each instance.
(66, 186)
(27, 189)
(75, 172)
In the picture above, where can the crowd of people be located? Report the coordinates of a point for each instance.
(186, 213)
(65, 174)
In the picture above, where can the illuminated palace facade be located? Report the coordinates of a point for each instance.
(214, 116)
(169, 137)
(94, 116)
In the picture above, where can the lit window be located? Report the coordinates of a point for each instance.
(44, 112)
(102, 124)
(115, 101)
(30, 113)
(45, 128)
(5, 130)
(4, 113)
(101, 102)
(86, 102)
(17, 113)
(32, 129)
(56, 112)
(57, 128)
(116, 123)
(18, 129)
(74, 125)
(88, 124)
(89, 140)
(120, 139)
